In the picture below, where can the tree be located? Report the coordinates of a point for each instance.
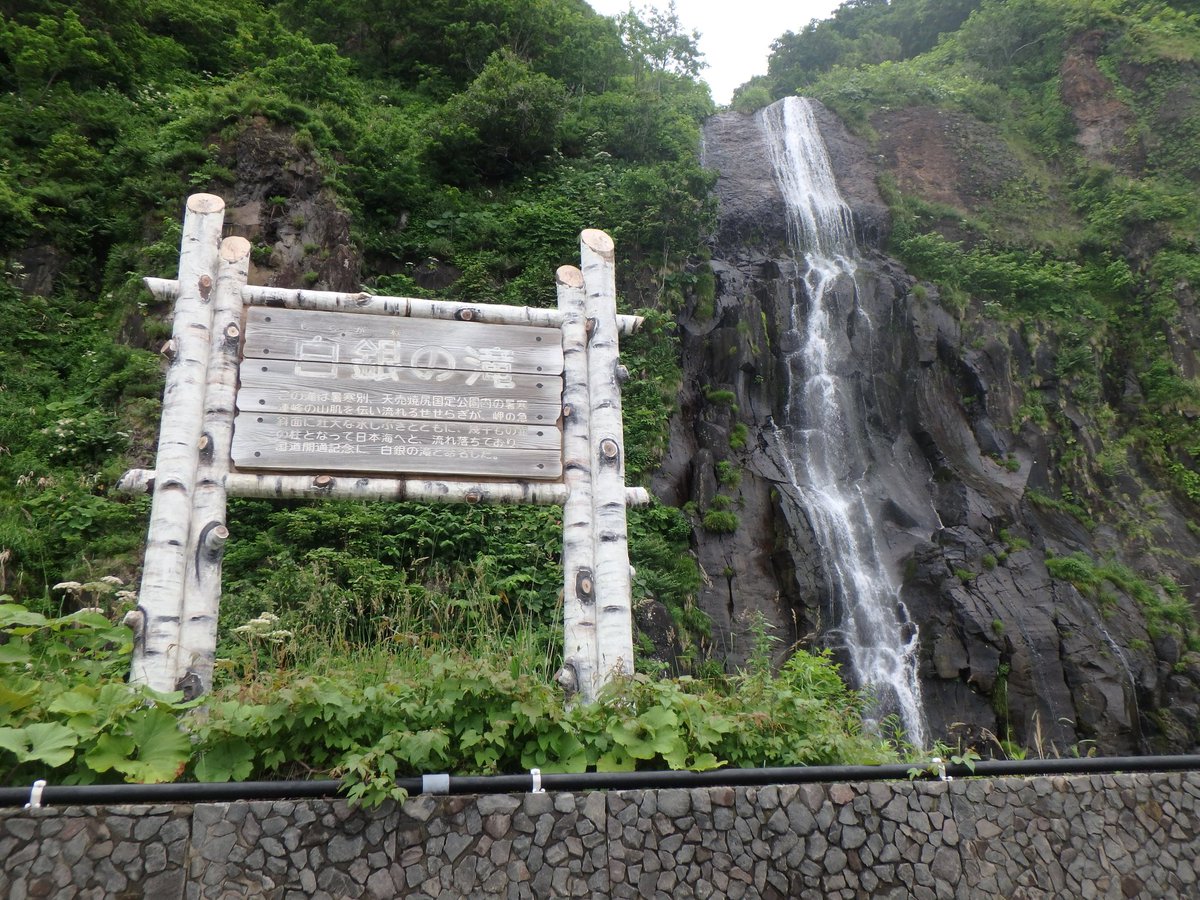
(659, 45)
(508, 118)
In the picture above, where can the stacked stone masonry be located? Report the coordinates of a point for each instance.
(1115, 836)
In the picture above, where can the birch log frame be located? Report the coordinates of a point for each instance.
(363, 302)
(180, 591)
(614, 616)
(208, 532)
(580, 655)
(161, 595)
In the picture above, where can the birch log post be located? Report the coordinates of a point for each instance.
(207, 536)
(580, 657)
(161, 594)
(614, 615)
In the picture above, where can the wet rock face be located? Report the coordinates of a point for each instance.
(1007, 651)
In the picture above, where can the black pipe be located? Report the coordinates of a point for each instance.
(208, 792)
(120, 794)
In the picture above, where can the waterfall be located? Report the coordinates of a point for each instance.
(824, 422)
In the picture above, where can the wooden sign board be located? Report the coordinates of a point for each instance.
(343, 392)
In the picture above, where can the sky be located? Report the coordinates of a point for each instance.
(735, 35)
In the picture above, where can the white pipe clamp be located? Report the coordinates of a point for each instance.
(35, 794)
(435, 784)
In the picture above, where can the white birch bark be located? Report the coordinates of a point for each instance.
(614, 615)
(161, 593)
(580, 655)
(353, 487)
(208, 533)
(361, 302)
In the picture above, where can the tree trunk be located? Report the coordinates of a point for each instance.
(614, 618)
(580, 655)
(206, 541)
(163, 572)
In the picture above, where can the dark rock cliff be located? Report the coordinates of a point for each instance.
(1008, 652)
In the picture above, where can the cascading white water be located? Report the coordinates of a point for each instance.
(827, 453)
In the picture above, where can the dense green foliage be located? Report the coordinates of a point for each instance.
(68, 715)
(64, 706)
(474, 139)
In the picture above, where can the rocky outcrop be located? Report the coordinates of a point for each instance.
(280, 203)
(1105, 127)
(962, 481)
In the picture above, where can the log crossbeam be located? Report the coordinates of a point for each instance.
(371, 304)
(351, 487)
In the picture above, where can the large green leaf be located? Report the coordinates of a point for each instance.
(15, 740)
(14, 614)
(17, 695)
(231, 760)
(162, 749)
(14, 652)
(111, 751)
(80, 702)
(46, 742)
(615, 760)
(52, 743)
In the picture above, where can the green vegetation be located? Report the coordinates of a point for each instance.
(65, 705)
(720, 521)
(478, 142)
(728, 475)
(739, 434)
(396, 709)
(1166, 608)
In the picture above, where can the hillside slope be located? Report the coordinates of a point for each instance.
(1023, 174)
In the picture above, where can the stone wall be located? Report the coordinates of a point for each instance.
(1086, 836)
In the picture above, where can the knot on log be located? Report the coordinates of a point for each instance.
(215, 536)
(622, 374)
(465, 315)
(568, 679)
(232, 332)
(585, 586)
(610, 451)
(170, 350)
(323, 482)
(191, 685)
(135, 621)
(473, 496)
(205, 285)
(590, 325)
